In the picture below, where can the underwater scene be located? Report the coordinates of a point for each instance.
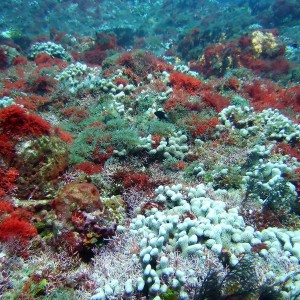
(150, 150)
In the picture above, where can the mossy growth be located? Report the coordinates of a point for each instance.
(228, 178)
(114, 207)
(60, 294)
(189, 170)
(161, 128)
(27, 290)
(12, 33)
(170, 163)
(85, 144)
(116, 124)
(239, 101)
(96, 114)
(178, 114)
(127, 139)
(38, 288)
(40, 162)
(43, 229)
(170, 295)
(110, 61)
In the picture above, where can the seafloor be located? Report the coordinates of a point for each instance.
(149, 150)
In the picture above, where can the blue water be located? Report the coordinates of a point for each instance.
(157, 21)
(153, 17)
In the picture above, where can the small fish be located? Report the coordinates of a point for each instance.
(161, 115)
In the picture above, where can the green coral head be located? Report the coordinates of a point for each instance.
(11, 33)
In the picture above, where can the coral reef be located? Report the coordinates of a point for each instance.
(149, 150)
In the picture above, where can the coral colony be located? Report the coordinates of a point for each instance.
(150, 150)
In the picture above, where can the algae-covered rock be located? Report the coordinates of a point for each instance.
(115, 207)
(40, 162)
(82, 219)
(73, 197)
